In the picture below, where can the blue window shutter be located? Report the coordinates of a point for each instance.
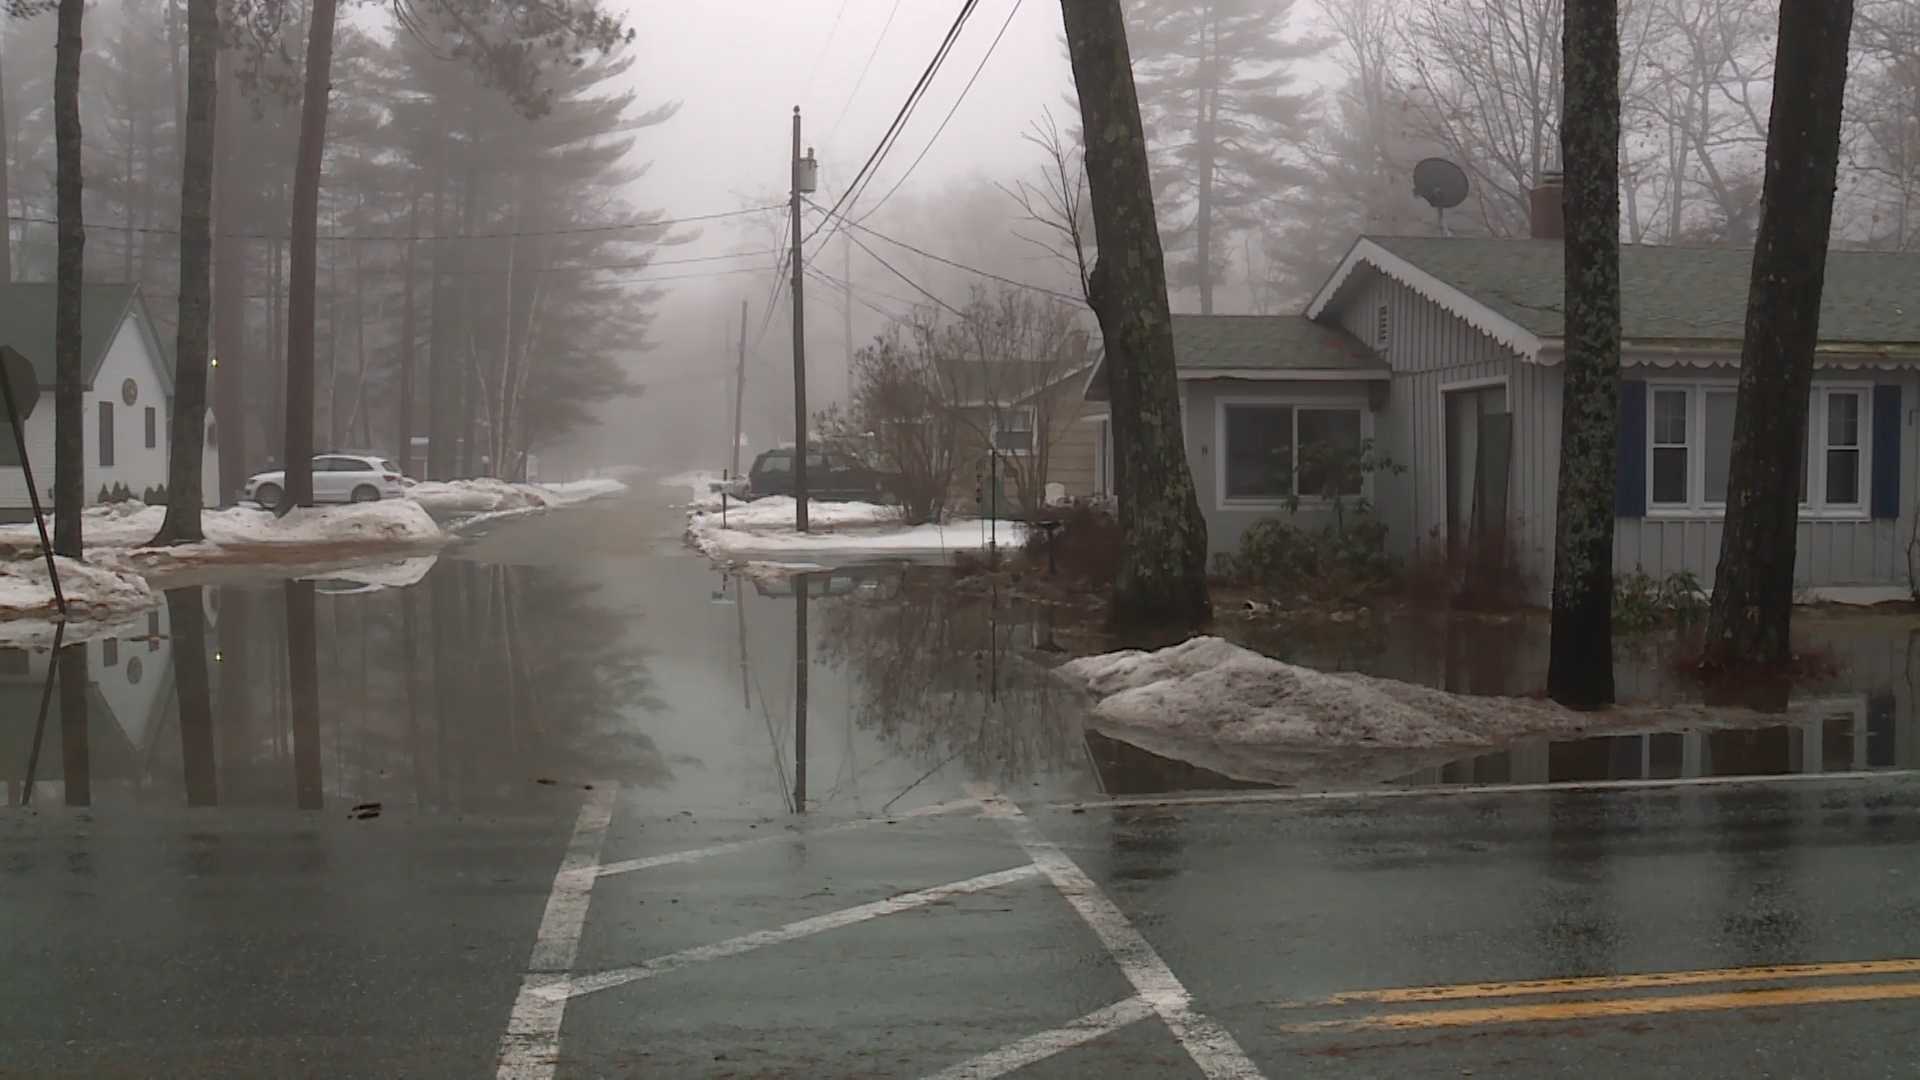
(1886, 452)
(1630, 482)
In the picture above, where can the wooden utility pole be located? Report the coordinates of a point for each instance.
(739, 390)
(803, 174)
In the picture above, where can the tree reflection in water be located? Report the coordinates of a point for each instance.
(496, 678)
(944, 675)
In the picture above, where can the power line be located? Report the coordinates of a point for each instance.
(613, 281)
(862, 80)
(871, 231)
(849, 294)
(779, 280)
(903, 277)
(825, 46)
(892, 135)
(578, 230)
(941, 130)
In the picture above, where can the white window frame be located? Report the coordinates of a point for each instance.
(1033, 430)
(1815, 508)
(1279, 502)
(1102, 452)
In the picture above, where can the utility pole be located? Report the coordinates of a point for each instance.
(739, 388)
(806, 172)
(846, 271)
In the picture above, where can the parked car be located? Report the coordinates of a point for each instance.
(337, 478)
(830, 476)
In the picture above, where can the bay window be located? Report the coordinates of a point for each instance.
(1272, 452)
(1689, 436)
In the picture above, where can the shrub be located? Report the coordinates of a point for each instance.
(1086, 545)
(1643, 602)
(1486, 574)
(1327, 562)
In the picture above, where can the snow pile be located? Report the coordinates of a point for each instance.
(698, 485)
(93, 593)
(398, 574)
(764, 530)
(1214, 704)
(128, 526)
(456, 498)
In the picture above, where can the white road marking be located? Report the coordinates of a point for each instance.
(530, 1049)
(1210, 1045)
(628, 866)
(1475, 789)
(1033, 1048)
(793, 931)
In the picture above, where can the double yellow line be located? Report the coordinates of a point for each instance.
(1759, 996)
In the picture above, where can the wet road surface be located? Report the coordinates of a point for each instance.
(539, 822)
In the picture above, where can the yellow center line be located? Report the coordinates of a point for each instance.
(1639, 1006)
(1589, 984)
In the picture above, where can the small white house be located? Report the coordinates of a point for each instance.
(128, 405)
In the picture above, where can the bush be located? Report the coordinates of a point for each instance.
(1642, 602)
(1086, 546)
(1484, 575)
(1325, 562)
(155, 496)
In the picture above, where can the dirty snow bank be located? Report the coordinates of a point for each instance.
(839, 532)
(452, 498)
(1214, 704)
(124, 526)
(94, 593)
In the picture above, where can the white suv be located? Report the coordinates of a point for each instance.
(336, 478)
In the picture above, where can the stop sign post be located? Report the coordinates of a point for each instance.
(21, 389)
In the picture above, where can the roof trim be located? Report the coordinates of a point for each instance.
(1455, 302)
(1286, 374)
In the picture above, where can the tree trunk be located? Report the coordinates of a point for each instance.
(229, 320)
(6, 191)
(1162, 580)
(439, 398)
(189, 434)
(1203, 206)
(187, 625)
(277, 345)
(1753, 587)
(69, 450)
(1580, 668)
(302, 253)
(403, 422)
(468, 376)
(303, 673)
(76, 759)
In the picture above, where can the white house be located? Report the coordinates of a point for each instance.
(129, 396)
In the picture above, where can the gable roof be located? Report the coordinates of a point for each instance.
(1006, 382)
(26, 323)
(1206, 345)
(1513, 290)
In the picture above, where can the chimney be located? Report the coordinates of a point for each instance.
(1548, 207)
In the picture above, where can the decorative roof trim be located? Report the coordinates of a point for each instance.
(1456, 303)
(1287, 374)
(1687, 354)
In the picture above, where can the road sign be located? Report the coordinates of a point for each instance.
(18, 371)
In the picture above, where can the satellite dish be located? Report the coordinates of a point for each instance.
(1440, 182)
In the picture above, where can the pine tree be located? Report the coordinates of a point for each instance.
(1215, 81)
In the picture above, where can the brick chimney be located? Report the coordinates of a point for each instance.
(1547, 207)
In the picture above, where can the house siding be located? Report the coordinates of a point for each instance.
(1226, 523)
(1826, 553)
(1429, 348)
(1070, 461)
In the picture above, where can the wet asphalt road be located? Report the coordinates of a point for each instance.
(712, 933)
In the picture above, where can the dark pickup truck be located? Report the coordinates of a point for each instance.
(830, 475)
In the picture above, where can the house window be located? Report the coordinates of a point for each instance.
(110, 652)
(1013, 430)
(106, 434)
(153, 428)
(1690, 448)
(1264, 442)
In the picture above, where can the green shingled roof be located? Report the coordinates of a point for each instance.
(26, 323)
(1267, 342)
(1671, 293)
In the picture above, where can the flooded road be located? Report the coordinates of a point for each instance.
(569, 802)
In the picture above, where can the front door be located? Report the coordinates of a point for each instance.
(1479, 454)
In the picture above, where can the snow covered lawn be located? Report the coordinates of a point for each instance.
(1214, 704)
(842, 532)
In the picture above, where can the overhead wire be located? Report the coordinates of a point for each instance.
(897, 272)
(577, 230)
(862, 79)
(825, 47)
(941, 130)
(955, 263)
(892, 134)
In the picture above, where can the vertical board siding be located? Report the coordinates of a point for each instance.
(1826, 553)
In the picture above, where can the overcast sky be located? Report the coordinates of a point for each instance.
(740, 66)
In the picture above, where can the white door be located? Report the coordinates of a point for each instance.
(329, 479)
